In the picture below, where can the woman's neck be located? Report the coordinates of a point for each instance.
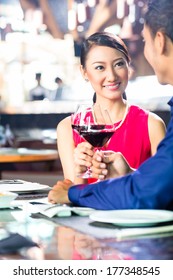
(117, 109)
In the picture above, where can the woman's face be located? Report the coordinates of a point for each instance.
(107, 71)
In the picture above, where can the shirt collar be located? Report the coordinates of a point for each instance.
(170, 102)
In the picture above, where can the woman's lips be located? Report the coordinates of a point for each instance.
(112, 86)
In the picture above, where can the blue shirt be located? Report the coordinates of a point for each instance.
(149, 187)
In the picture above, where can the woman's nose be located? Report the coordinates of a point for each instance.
(112, 75)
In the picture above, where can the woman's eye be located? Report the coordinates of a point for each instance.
(99, 67)
(120, 63)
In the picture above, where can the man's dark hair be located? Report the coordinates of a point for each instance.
(58, 80)
(38, 76)
(159, 16)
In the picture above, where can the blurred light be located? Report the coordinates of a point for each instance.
(3, 22)
(91, 3)
(11, 11)
(141, 20)
(115, 29)
(71, 19)
(130, 2)
(17, 25)
(81, 12)
(131, 15)
(140, 4)
(34, 18)
(126, 30)
(80, 28)
(120, 8)
(18, 13)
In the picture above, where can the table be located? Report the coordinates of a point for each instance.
(25, 155)
(9, 155)
(63, 242)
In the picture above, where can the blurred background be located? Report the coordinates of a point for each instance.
(40, 81)
(44, 36)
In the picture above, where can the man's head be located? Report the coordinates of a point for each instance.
(58, 81)
(159, 16)
(38, 77)
(158, 37)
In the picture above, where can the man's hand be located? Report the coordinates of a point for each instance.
(59, 192)
(109, 164)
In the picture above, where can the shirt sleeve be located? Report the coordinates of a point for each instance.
(149, 187)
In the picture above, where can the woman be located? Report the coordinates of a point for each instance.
(105, 64)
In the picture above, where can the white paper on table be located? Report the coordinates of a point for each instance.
(61, 210)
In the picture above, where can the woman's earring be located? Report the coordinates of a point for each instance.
(86, 80)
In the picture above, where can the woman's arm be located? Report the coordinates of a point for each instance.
(74, 160)
(66, 147)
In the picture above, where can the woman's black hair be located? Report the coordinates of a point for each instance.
(103, 39)
(94, 98)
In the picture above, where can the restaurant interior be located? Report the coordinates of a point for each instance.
(38, 37)
(44, 37)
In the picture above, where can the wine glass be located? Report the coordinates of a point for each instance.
(94, 125)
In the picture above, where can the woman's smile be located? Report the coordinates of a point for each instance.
(113, 86)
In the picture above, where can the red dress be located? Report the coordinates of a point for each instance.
(131, 138)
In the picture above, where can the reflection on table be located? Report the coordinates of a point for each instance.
(58, 241)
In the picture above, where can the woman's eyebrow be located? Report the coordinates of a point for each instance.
(119, 58)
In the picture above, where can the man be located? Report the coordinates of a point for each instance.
(151, 185)
(58, 93)
(38, 92)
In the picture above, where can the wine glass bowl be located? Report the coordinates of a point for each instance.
(97, 135)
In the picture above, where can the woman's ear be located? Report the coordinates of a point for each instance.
(130, 72)
(83, 72)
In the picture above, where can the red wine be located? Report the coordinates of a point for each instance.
(85, 128)
(97, 138)
(78, 128)
(95, 134)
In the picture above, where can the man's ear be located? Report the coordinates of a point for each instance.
(160, 42)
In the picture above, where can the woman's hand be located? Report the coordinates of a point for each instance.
(109, 164)
(59, 192)
(83, 155)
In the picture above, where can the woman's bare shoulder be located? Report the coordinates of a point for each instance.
(64, 124)
(156, 124)
(156, 120)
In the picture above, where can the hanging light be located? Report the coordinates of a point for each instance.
(81, 12)
(120, 8)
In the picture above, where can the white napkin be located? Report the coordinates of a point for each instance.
(61, 210)
(50, 210)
